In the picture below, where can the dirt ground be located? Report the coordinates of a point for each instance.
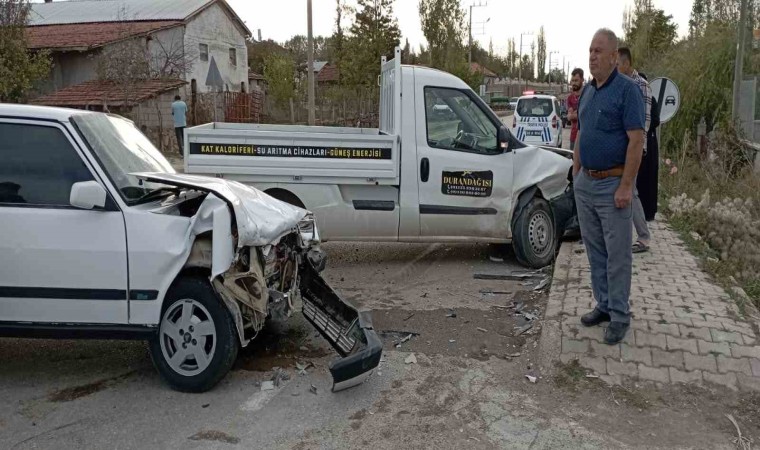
(467, 389)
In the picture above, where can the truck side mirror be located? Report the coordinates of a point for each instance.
(87, 195)
(503, 138)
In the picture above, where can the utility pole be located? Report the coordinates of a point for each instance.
(519, 66)
(550, 67)
(739, 64)
(469, 59)
(310, 68)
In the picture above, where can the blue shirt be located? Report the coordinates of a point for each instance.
(604, 116)
(179, 109)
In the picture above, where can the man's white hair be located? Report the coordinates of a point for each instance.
(610, 35)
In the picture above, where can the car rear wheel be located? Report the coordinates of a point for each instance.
(534, 236)
(197, 341)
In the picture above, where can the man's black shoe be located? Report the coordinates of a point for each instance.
(615, 332)
(595, 317)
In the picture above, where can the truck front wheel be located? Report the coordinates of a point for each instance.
(197, 342)
(535, 237)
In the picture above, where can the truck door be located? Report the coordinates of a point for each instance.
(465, 180)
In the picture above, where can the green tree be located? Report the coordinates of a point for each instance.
(648, 32)
(541, 55)
(373, 34)
(260, 52)
(443, 24)
(279, 74)
(20, 69)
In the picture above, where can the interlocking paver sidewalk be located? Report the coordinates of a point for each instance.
(685, 328)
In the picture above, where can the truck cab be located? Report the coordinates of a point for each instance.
(441, 167)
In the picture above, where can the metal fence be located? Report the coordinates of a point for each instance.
(235, 107)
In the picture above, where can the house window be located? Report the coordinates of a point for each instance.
(233, 57)
(204, 52)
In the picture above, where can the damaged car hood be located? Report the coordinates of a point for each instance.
(261, 219)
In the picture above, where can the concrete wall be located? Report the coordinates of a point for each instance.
(216, 29)
(69, 68)
(156, 111)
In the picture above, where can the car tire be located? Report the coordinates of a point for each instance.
(535, 234)
(197, 342)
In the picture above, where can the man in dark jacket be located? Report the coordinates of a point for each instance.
(647, 180)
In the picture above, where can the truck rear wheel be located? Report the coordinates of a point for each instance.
(534, 236)
(287, 197)
(197, 341)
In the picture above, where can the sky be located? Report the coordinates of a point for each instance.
(569, 24)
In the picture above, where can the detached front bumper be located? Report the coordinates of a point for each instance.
(348, 330)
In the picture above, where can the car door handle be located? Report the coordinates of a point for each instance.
(424, 170)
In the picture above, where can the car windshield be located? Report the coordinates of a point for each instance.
(534, 107)
(123, 150)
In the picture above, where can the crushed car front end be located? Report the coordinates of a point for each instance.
(265, 262)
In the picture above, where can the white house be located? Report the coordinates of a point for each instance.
(207, 35)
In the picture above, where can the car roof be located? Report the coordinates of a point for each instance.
(39, 112)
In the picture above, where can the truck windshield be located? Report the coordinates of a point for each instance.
(456, 122)
(123, 150)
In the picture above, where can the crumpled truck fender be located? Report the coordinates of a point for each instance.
(536, 169)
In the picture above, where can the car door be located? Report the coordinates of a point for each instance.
(58, 263)
(464, 180)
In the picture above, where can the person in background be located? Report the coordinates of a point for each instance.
(625, 66)
(647, 181)
(611, 121)
(576, 85)
(179, 111)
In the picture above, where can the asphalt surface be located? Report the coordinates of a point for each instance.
(106, 394)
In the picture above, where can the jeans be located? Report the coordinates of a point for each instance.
(607, 233)
(180, 132)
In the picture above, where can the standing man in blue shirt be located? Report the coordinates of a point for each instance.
(179, 111)
(611, 120)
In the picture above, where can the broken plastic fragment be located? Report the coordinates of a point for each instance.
(531, 378)
(313, 389)
(267, 386)
(411, 359)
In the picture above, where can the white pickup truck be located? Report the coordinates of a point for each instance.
(441, 168)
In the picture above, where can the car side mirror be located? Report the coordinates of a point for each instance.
(503, 138)
(87, 195)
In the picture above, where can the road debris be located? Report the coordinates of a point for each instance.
(313, 389)
(592, 375)
(405, 339)
(451, 341)
(514, 276)
(524, 329)
(489, 291)
(279, 375)
(267, 386)
(482, 330)
(409, 317)
(531, 378)
(528, 316)
(580, 250)
(515, 355)
(303, 367)
(451, 315)
(542, 284)
(206, 405)
(411, 359)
